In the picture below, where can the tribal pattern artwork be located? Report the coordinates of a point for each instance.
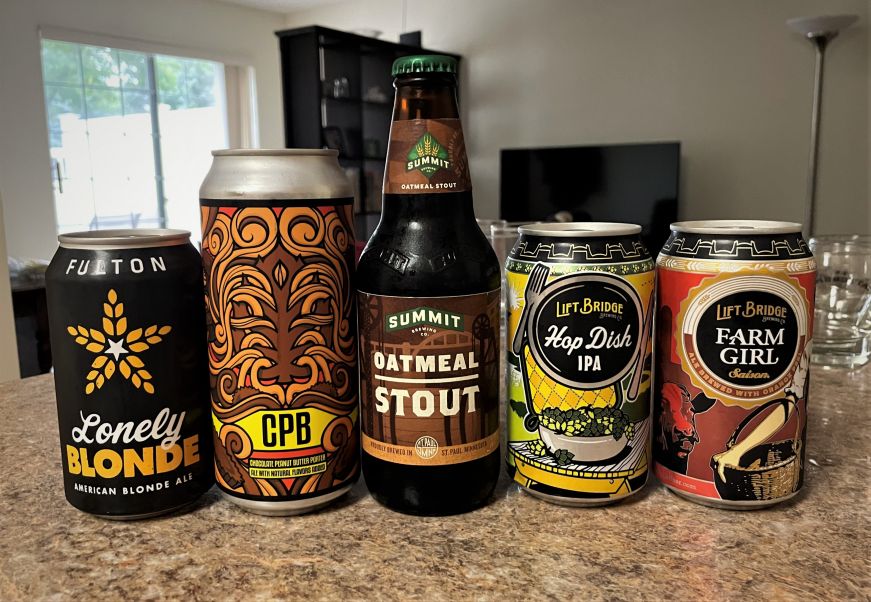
(281, 337)
(536, 248)
(706, 246)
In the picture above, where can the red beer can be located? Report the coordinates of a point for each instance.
(734, 323)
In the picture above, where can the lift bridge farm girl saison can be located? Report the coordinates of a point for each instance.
(579, 309)
(127, 334)
(735, 309)
(278, 259)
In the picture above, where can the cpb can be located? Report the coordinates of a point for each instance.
(735, 311)
(278, 259)
(579, 313)
(127, 334)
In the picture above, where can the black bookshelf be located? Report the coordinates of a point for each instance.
(338, 93)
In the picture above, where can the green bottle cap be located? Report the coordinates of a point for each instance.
(424, 63)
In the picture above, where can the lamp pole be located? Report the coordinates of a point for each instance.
(820, 31)
(820, 43)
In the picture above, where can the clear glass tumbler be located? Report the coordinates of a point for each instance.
(842, 314)
(486, 224)
(503, 236)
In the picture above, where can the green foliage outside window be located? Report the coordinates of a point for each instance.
(92, 81)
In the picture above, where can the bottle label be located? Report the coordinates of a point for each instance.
(429, 370)
(426, 156)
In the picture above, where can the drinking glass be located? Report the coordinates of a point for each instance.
(503, 236)
(842, 314)
(486, 224)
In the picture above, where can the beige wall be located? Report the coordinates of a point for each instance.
(207, 27)
(727, 79)
(8, 349)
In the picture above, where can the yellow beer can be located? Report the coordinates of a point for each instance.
(579, 316)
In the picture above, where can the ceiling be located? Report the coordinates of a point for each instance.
(280, 6)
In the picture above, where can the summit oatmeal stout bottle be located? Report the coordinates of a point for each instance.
(127, 334)
(428, 299)
(734, 322)
(278, 260)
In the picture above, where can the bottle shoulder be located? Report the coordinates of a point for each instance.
(427, 260)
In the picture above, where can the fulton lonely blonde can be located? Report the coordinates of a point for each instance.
(579, 313)
(278, 259)
(734, 314)
(127, 335)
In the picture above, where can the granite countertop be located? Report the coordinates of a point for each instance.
(654, 546)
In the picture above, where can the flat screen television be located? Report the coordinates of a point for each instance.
(635, 183)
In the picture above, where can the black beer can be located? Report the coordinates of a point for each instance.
(127, 322)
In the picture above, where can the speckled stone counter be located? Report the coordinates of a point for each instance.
(655, 546)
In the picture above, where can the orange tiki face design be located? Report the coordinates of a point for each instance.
(281, 333)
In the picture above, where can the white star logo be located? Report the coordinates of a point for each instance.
(115, 348)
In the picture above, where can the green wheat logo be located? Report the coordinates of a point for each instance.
(428, 156)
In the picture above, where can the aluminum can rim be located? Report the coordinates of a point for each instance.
(580, 229)
(736, 227)
(275, 152)
(125, 238)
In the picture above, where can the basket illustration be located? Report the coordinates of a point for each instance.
(766, 471)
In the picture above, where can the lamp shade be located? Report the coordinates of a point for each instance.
(821, 26)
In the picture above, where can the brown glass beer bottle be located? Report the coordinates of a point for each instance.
(428, 285)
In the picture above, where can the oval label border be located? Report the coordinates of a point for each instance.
(557, 286)
(709, 291)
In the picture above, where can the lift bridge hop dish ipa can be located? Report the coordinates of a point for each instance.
(127, 335)
(278, 255)
(579, 309)
(735, 309)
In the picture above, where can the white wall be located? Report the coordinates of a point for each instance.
(727, 79)
(8, 349)
(206, 27)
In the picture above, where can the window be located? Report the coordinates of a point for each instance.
(130, 135)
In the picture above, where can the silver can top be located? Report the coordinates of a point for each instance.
(736, 227)
(275, 174)
(581, 229)
(139, 238)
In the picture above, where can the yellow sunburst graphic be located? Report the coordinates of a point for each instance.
(115, 341)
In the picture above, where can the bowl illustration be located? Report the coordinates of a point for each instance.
(584, 449)
(547, 393)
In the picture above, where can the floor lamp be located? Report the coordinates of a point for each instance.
(820, 31)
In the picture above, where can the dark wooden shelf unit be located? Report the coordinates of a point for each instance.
(316, 62)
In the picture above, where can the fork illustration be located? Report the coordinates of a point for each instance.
(534, 286)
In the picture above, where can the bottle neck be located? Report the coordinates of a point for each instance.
(429, 96)
(426, 156)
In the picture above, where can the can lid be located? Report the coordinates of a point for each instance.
(124, 239)
(424, 63)
(736, 227)
(581, 229)
(275, 152)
